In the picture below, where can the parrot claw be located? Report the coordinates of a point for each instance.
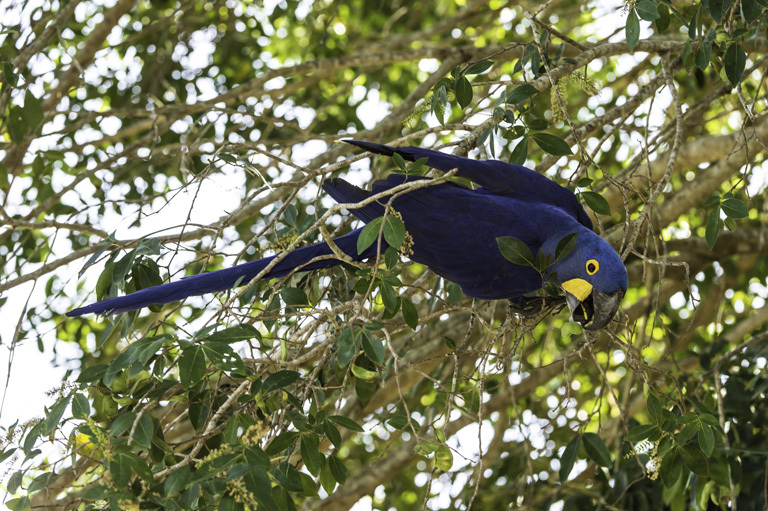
(535, 305)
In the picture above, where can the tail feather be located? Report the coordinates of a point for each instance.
(343, 192)
(225, 279)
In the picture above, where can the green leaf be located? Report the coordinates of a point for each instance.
(596, 449)
(688, 432)
(288, 477)
(14, 482)
(120, 469)
(105, 280)
(373, 348)
(565, 246)
(647, 11)
(632, 30)
(364, 388)
(10, 78)
(654, 408)
(426, 448)
(515, 251)
(98, 492)
(537, 124)
(688, 418)
(388, 297)
(521, 93)
(706, 439)
(551, 144)
(222, 355)
(122, 361)
(235, 334)
(20, 504)
(148, 350)
(399, 161)
(369, 234)
(703, 53)
(671, 468)
(463, 92)
(443, 458)
(639, 433)
(17, 125)
(695, 460)
(687, 56)
(596, 202)
(281, 442)
(33, 111)
(338, 469)
(418, 167)
(191, 366)
(717, 8)
(46, 479)
(410, 314)
(662, 23)
(568, 458)
(713, 227)
(32, 436)
(310, 454)
(734, 208)
(363, 374)
(398, 421)
(709, 419)
(479, 67)
(347, 423)
(734, 61)
(391, 258)
(4, 455)
(177, 481)
(333, 434)
(279, 379)
(394, 231)
(145, 431)
(53, 418)
(81, 409)
(439, 102)
(327, 478)
(238, 471)
(751, 10)
(712, 200)
(122, 423)
(348, 343)
(520, 152)
(294, 297)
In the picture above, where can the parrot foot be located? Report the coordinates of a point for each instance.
(533, 306)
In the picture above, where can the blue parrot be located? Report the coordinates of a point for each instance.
(454, 231)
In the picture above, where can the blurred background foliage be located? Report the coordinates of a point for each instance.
(144, 141)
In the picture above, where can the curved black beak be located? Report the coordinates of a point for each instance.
(596, 310)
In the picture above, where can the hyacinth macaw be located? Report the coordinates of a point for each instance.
(454, 231)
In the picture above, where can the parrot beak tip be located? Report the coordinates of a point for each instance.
(596, 311)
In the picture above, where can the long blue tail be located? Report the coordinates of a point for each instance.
(226, 279)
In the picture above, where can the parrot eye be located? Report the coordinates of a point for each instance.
(592, 266)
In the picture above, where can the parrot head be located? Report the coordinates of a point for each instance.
(594, 279)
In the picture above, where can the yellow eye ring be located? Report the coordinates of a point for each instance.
(592, 267)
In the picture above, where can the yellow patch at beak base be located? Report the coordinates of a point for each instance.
(579, 288)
